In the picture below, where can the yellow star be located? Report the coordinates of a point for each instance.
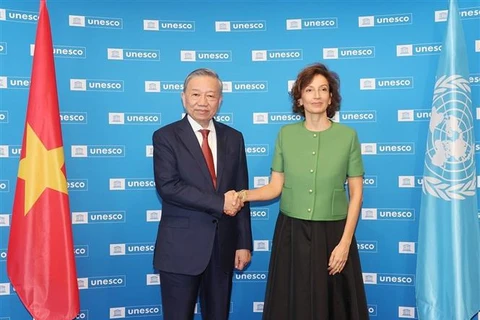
(41, 169)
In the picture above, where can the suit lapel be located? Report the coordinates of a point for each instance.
(221, 151)
(188, 137)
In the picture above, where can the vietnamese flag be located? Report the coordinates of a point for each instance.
(40, 260)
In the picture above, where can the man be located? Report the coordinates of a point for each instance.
(204, 231)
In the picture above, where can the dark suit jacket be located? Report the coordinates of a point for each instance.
(191, 208)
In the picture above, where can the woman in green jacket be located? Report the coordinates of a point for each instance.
(315, 271)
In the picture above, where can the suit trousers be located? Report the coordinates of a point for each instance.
(214, 286)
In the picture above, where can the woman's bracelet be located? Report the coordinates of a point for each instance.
(243, 195)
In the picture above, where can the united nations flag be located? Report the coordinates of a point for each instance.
(448, 262)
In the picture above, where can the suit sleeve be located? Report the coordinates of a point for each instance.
(244, 227)
(173, 189)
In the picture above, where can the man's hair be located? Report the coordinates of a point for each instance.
(205, 73)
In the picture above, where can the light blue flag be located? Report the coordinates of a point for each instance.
(448, 260)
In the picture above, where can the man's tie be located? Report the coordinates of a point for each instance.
(207, 153)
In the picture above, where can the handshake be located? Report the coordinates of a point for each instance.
(234, 201)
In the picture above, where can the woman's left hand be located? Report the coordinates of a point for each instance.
(338, 258)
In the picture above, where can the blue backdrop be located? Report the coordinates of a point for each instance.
(120, 68)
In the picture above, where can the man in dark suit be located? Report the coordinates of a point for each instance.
(204, 232)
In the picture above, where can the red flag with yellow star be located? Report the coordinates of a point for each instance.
(40, 260)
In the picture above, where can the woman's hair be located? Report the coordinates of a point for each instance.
(305, 77)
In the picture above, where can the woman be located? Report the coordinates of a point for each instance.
(315, 270)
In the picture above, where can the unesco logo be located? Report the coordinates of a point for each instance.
(410, 181)
(385, 20)
(96, 85)
(258, 306)
(149, 151)
(240, 26)
(277, 55)
(117, 249)
(206, 55)
(4, 186)
(117, 184)
(260, 213)
(153, 86)
(312, 23)
(135, 311)
(406, 312)
(399, 148)
(3, 116)
(169, 25)
(369, 181)
(10, 151)
(468, 13)
(261, 245)
(250, 276)
(133, 54)
(95, 22)
(98, 217)
(12, 82)
(117, 313)
(73, 117)
(102, 282)
(18, 16)
(477, 146)
(3, 255)
(372, 309)
(386, 83)
(407, 214)
(369, 278)
(406, 247)
(131, 184)
(244, 86)
(396, 279)
(65, 51)
(4, 220)
(367, 246)
(80, 251)
(97, 151)
(414, 115)
(257, 149)
(260, 181)
(477, 46)
(151, 25)
(355, 116)
(275, 117)
(164, 86)
(474, 79)
(290, 84)
(441, 15)
(83, 315)
(3, 47)
(77, 185)
(153, 215)
(349, 53)
(4, 289)
(226, 118)
(419, 49)
(153, 279)
(121, 118)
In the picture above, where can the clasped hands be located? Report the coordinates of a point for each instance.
(234, 201)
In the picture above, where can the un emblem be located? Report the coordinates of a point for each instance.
(450, 155)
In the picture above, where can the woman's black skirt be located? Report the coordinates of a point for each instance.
(299, 286)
